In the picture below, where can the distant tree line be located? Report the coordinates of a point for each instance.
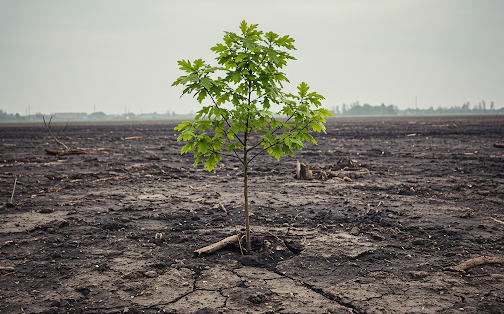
(356, 109)
(4, 116)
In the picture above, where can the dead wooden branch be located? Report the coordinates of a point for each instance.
(51, 133)
(28, 200)
(476, 262)
(217, 246)
(112, 178)
(13, 189)
(499, 145)
(75, 151)
(67, 150)
(345, 162)
(323, 173)
(237, 239)
(324, 176)
(220, 207)
(496, 220)
(201, 187)
(6, 268)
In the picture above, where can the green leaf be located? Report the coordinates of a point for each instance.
(207, 82)
(198, 64)
(187, 136)
(243, 27)
(197, 160)
(185, 65)
(286, 42)
(303, 89)
(287, 150)
(273, 56)
(192, 78)
(271, 37)
(275, 151)
(202, 95)
(219, 48)
(249, 43)
(188, 147)
(212, 160)
(184, 125)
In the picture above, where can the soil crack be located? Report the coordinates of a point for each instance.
(352, 308)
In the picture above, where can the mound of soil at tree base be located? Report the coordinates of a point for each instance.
(115, 231)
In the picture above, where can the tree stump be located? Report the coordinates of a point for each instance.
(303, 172)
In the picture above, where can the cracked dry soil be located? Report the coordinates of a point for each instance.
(114, 232)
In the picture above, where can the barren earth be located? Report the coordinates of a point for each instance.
(396, 205)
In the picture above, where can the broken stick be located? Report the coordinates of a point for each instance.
(200, 188)
(51, 133)
(476, 262)
(13, 189)
(67, 150)
(220, 207)
(497, 220)
(216, 246)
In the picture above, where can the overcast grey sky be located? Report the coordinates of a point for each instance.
(113, 56)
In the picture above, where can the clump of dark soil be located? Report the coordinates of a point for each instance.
(394, 205)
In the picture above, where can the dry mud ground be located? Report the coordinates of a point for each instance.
(115, 231)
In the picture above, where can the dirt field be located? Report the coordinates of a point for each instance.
(115, 231)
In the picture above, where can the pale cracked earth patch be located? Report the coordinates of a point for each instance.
(22, 222)
(165, 288)
(252, 290)
(392, 291)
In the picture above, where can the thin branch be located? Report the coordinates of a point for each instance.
(215, 151)
(227, 122)
(13, 189)
(475, 262)
(66, 125)
(52, 135)
(274, 131)
(273, 144)
(496, 220)
(216, 106)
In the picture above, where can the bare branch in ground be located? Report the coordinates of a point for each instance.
(75, 151)
(13, 189)
(216, 246)
(51, 133)
(201, 187)
(496, 220)
(67, 150)
(476, 262)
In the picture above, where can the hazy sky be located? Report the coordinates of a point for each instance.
(117, 56)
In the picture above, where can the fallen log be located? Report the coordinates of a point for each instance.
(476, 262)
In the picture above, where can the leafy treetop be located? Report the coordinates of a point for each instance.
(249, 78)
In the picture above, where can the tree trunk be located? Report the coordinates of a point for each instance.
(245, 194)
